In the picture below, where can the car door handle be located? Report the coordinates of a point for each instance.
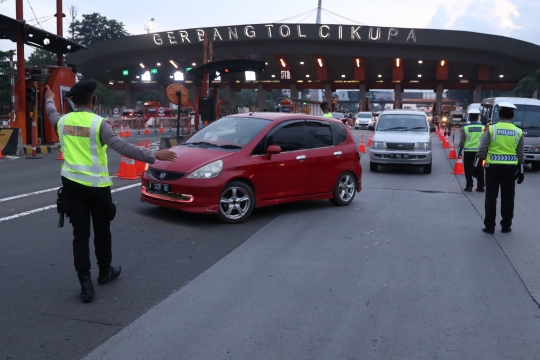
(301, 157)
(338, 153)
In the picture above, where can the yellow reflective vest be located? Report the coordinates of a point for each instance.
(502, 149)
(329, 115)
(85, 158)
(473, 134)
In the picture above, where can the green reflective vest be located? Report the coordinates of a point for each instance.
(473, 134)
(505, 137)
(85, 159)
(328, 115)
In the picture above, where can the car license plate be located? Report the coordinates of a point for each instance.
(400, 156)
(159, 188)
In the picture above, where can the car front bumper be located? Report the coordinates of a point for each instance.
(386, 157)
(532, 157)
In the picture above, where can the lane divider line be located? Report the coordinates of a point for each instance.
(54, 206)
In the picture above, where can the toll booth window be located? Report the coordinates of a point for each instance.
(318, 135)
(152, 111)
(339, 133)
(289, 138)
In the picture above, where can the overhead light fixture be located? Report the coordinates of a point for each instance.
(342, 76)
(173, 63)
(142, 65)
(171, 76)
(419, 75)
(460, 75)
(266, 63)
(273, 76)
(420, 62)
(193, 64)
(307, 76)
(250, 76)
(398, 60)
(443, 62)
(137, 76)
(282, 63)
(501, 76)
(320, 62)
(111, 82)
(301, 63)
(357, 62)
(379, 75)
(158, 64)
(414, 81)
(178, 76)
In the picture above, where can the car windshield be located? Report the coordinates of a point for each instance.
(337, 115)
(367, 116)
(401, 122)
(525, 116)
(228, 133)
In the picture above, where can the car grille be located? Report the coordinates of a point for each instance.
(396, 146)
(527, 147)
(169, 176)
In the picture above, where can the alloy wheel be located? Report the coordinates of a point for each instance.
(234, 203)
(346, 188)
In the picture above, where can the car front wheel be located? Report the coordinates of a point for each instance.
(535, 166)
(373, 166)
(236, 202)
(344, 190)
(427, 169)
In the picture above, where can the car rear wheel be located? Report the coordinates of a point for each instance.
(535, 166)
(236, 202)
(427, 169)
(373, 166)
(344, 190)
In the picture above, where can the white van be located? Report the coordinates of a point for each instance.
(526, 116)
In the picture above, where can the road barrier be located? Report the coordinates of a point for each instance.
(11, 141)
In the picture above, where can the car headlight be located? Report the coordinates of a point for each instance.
(207, 171)
(534, 148)
(379, 145)
(422, 146)
(444, 118)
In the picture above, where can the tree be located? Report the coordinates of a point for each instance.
(464, 96)
(95, 28)
(109, 98)
(41, 58)
(245, 98)
(528, 85)
(148, 95)
(5, 84)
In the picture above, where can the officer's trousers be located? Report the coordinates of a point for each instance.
(470, 170)
(89, 203)
(503, 177)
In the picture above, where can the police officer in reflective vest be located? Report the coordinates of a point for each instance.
(84, 138)
(503, 149)
(324, 108)
(469, 142)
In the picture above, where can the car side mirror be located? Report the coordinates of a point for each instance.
(371, 128)
(272, 150)
(432, 128)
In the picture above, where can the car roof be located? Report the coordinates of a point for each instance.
(278, 116)
(513, 100)
(403, 111)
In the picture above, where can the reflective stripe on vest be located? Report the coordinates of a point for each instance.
(94, 175)
(504, 140)
(473, 135)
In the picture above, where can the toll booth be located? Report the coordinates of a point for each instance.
(60, 80)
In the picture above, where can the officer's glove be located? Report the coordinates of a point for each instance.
(520, 173)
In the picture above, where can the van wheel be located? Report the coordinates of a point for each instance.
(373, 166)
(344, 190)
(427, 169)
(535, 166)
(236, 202)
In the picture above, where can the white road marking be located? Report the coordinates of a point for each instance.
(54, 206)
(29, 194)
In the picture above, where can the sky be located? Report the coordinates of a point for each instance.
(513, 18)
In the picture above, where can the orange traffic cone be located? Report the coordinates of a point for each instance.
(122, 168)
(452, 154)
(128, 133)
(370, 141)
(1, 155)
(146, 144)
(131, 170)
(362, 147)
(161, 128)
(458, 168)
(146, 131)
(139, 165)
(121, 131)
(446, 144)
(61, 156)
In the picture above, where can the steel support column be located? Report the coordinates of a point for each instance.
(294, 92)
(21, 82)
(261, 98)
(397, 97)
(438, 99)
(477, 97)
(362, 103)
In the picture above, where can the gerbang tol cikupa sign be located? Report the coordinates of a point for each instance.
(286, 31)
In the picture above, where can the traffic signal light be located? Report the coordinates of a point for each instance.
(31, 95)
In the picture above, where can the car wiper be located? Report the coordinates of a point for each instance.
(230, 146)
(395, 128)
(417, 128)
(201, 143)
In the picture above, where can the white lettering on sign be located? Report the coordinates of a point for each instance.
(300, 32)
(284, 31)
(249, 31)
(412, 36)
(340, 32)
(377, 34)
(392, 33)
(269, 27)
(157, 39)
(325, 34)
(171, 37)
(355, 34)
(233, 34)
(217, 35)
(200, 34)
(184, 36)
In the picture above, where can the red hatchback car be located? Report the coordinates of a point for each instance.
(252, 160)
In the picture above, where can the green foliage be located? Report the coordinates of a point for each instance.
(94, 28)
(5, 84)
(245, 98)
(528, 85)
(109, 98)
(465, 96)
(148, 95)
(41, 58)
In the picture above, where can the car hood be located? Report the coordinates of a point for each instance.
(401, 136)
(190, 159)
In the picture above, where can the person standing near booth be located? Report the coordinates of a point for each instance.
(502, 147)
(325, 110)
(86, 189)
(469, 141)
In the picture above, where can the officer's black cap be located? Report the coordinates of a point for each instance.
(83, 87)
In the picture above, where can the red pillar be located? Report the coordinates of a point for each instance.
(196, 107)
(59, 29)
(21, 88)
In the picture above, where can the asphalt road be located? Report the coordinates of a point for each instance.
(404, 272)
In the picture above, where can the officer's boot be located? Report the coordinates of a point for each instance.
(108, 273)
(87, 288)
